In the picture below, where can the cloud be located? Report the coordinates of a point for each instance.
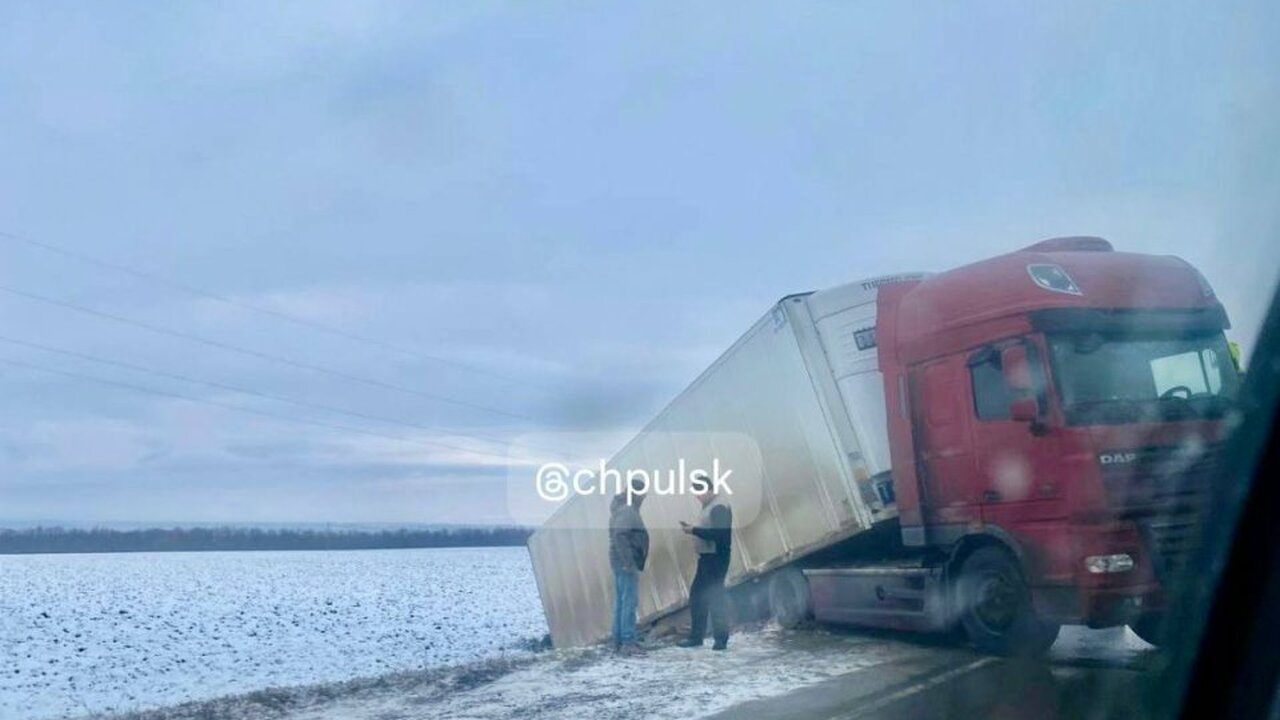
(587, 205)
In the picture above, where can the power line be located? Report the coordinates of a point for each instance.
(277, 314)
(251, 411)
(256, 353)
(259, 394)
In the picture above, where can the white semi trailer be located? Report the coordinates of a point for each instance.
(803, 383)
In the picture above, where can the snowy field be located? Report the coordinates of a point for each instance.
(88, 634)
(370, 635)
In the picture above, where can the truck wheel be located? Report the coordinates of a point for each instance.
(994, 605)
(1150, 627)
(789, 598)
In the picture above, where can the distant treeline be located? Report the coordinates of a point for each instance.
(100, 540)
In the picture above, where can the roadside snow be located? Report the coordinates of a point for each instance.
(1118, 646)
(112, 633)
(666, 681)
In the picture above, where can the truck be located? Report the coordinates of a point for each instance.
(996, 450)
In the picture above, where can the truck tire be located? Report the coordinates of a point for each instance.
(789, 598)
(1150, 627)
(994, 606)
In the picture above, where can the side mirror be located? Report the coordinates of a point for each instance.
(1016, 368)
(1015, 365)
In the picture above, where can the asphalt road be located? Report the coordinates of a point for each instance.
(1075, 681)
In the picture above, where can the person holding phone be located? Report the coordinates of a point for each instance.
(713, 539)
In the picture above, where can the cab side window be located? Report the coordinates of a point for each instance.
(991, 396)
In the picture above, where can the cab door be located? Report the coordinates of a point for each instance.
(944, 454)
(1011, 454)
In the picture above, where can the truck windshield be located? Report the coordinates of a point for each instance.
(1118, 379)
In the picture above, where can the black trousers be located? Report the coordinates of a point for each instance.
(707, 597)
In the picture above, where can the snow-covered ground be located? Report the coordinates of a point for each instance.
(665, 682)
(110, 633)
(369, 635)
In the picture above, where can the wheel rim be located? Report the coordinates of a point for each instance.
(996, 602)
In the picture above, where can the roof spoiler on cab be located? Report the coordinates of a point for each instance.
(1073, 243)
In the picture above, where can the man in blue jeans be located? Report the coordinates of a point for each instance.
(628, 550)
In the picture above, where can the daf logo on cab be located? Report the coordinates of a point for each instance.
(1117, 458)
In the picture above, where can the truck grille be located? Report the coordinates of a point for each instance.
(1164, 489)
(1160, 479)
(1172, 541)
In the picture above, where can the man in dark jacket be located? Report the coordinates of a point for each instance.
(713, 539)
(628, 550)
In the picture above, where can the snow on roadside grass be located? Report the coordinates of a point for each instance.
(111, 633)
(280, 702)
(666, 681)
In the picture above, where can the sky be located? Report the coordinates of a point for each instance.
(510, 218)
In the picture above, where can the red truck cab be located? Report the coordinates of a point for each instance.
(1054, 418)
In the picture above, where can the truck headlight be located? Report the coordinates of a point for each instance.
(1102, 564)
